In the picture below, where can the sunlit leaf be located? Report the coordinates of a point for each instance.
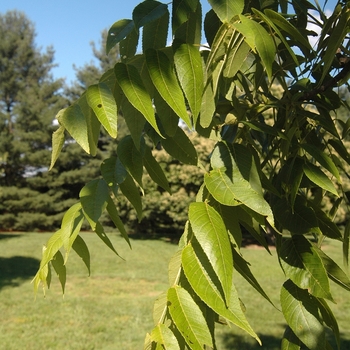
(132, 85)
(94, 197)
(57, 144)
(226, 9)
(70, 226)
(164, 79)
(100, 99)
(188, 318)
(211, 233)
(317, 176)
(188, 63)
(162, 335)
(74, 121)
(258, 39)
(198, 272)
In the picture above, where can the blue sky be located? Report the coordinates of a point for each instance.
(70, 25)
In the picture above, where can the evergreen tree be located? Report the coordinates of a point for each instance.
(29, 97)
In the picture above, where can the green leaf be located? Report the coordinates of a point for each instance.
(162, 73)
(162, 335)
(220, 186)
(113, 172)
(334, 42)
(242, 267)
(290, 341)
(100, 99)
(154, 170)
(134, 120)
(210, 231)
(300, 220)
(118, 32)
(82, 250)
(148, 11)
(257, 38)
(57, 144)
(70, 226)
(340, 148)
(58, 264)
(188, 318)
(94, 197)
(335, 273)
(188, 63)
(168, 118)
(302, 264)
(132, 193)
(286, 26)
(190, 31)
(346, 243)
(131, 158)
(128, 46)
(92, 123)
(300, 310)
(113, 213)
(322, 158)
(49, 250)
(329, 319)
(180, 147)
(318, 177)
(226, 9)
(73, 120)
(131, 83)
(236, 55)
(198, 272)
(181, 12)
(155, 33)
(207, 106)
(101, 233)
(281, 36)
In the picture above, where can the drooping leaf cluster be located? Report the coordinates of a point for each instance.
(276, 156)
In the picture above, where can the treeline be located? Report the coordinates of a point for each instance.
(33, 198)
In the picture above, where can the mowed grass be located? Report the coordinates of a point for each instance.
(112, 309)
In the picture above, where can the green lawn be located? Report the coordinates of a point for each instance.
(112, 309)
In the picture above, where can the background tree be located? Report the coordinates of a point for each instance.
(29, 97)
(276, 155)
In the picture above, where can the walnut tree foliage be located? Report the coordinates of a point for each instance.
(275, 156)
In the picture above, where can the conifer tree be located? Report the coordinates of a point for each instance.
(29, 97)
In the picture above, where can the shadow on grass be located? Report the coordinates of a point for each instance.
(16, 269)
(8, 235)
